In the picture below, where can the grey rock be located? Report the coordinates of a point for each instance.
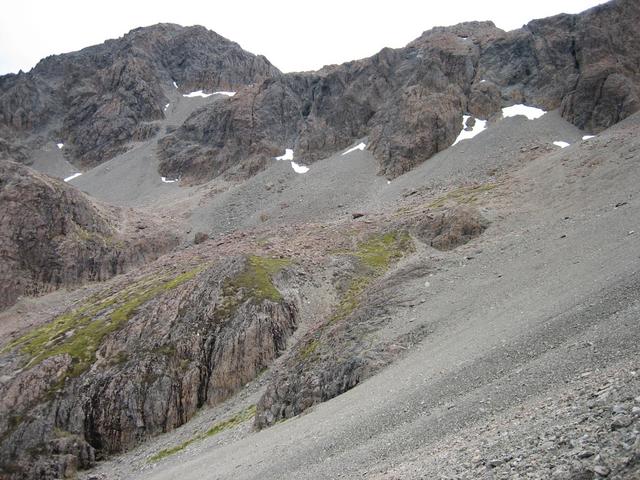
(67, 238)
(621, 421)
(101, 97)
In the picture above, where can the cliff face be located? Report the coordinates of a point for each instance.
(138, 359)
(410, 101)
(99, 98)
(52, 236)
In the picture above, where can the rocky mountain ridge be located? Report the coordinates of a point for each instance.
(409, 102)
(470, 268)
(54, 236)
(98, 99)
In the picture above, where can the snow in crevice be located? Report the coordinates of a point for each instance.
(482, 81)
(465, 134)
(561, 144)
(288, 155)
(530, 112)
(361, 146)
(166, 106)
(587, 137)
(71, 177)
(200, 93)
(60, 145)
(175, 84)
(166, 180)
(299, 168)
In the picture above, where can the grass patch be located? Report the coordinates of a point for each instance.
(254, 283)
(467, 195)
(309, 349)
(376, 255)
(80, 332)
(234, 421)
(381, 250)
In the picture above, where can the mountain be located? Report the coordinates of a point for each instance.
(410, 101)
(96, 100)
(53, 236)
(418, 264)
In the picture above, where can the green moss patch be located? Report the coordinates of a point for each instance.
(309, 349)
(376, 255)
(80, 332)
(232, 422)
(467, 195)
(254, 283)
(381, 250)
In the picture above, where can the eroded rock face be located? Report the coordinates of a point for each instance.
(99, 98)
(193, 338)
(410, 101)
(51, 236)
(451, 228)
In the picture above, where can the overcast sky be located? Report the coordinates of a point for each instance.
(293, 34)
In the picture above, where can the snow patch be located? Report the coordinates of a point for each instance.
(482, 81)
(166, 106)
(530, 112)
(360, 146)
(165, 180)
(197, 93)
(561, 144)
(587, 137)
(175, 84)
(288, 155)
(479, 126)
(200, 93)
(60, 145)
(68, 179)
(299, 168)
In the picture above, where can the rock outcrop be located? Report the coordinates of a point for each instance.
(138, 359)
(99, 98)
(52, 235)
(409, 102)
(451, 228)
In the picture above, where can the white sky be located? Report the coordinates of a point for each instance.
(292, 34)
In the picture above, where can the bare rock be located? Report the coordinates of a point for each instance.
(150, 374)
(66, 238)
(200, 237)
(98, 99)
(452, 228)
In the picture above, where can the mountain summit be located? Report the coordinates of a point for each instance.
(422, 264)
(100, 98)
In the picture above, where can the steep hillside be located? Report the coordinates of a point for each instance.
(410, 101)
(375, 315)
(96, 100)
(53, 236)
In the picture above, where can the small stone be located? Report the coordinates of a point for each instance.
(621, 421)
(619, 409)
(602, 470)
(585, 454)
(495, 463)
(200, 237)
(357, 215)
